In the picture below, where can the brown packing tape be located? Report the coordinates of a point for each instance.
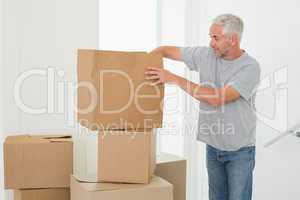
(38, 138)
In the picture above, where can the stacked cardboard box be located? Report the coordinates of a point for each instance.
(118, 112)
(122, 110)
(38, 167)
(112, 155)
(113, 93)
(173, 169)
(158, 189)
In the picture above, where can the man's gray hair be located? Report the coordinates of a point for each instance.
(231, 24)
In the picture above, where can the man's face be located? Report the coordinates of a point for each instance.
(220, 43)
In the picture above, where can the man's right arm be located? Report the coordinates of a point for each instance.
(171, 52)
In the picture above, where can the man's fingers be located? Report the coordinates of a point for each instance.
(151, 72)
(155, 83)
(154, 68)
(152, 77)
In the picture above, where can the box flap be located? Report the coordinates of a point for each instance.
(155, 182)
(57, 137)
(37, 139)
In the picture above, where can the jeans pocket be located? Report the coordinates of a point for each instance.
(248, 150)
(252, 152)
(211, 154)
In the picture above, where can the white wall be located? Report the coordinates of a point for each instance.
(127, 25)
(194, 150)
(1, 97)
(179, 26)
(172, 33)
(38, 35)
(44, 35)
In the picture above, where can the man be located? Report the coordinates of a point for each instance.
(228, 79)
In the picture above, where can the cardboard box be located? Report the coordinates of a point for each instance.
(115, 156)
(113, 92)
(173, 169)
(37, 161)
(42, 194)
(158, 189)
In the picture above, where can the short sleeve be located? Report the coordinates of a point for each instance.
(246, 80)
(193, 56)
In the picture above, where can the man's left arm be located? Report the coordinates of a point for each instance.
(213, 96)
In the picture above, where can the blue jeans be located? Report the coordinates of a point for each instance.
(230, 173)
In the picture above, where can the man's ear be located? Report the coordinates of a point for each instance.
(230, 39)
(234, 39)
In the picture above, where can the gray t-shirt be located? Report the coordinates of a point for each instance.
(233, 125)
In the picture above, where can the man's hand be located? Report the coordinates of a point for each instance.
(170, 52)
(158, 50)
(160, 75)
